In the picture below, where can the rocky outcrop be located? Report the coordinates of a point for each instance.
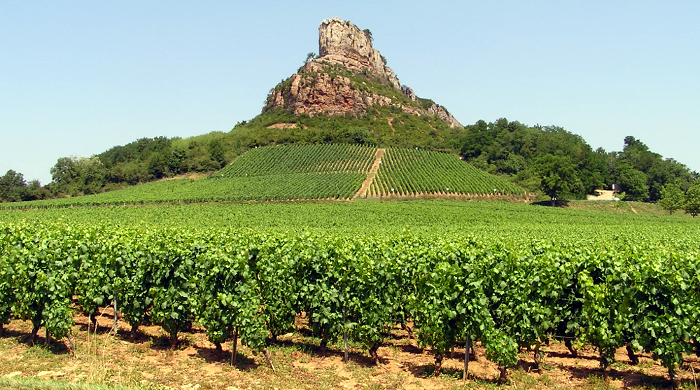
(341, 42)
(348, 77)
(442, 112)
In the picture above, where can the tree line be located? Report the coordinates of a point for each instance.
(144, 160)
(547, 158)
(562, 164)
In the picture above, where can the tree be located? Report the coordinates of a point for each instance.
(558, 176)
(13, 188)
(157, 165)
(692, 199)
(78, 175)
(672, 197)
(92, 175)
(309, 56)
(667, 171)
(633, 182)
(216, 152)
(638, 155)
(369, 34)
(65, 171)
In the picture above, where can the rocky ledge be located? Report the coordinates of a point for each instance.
(348, 77)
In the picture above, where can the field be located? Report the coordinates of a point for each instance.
(284, 173)
(305, 274)
(417, 172)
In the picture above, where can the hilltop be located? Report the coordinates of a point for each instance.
(349, 76)
(346, 94)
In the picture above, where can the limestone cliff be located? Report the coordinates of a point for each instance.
(348, 77)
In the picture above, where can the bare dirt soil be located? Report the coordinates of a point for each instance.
(149, 363)
(371, 174)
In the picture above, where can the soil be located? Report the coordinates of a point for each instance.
(149, 362)
(371, 174)
(390, 120)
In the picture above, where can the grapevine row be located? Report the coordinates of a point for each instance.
(507, 294)
(261, 188)
(415, 172)
(301, 159)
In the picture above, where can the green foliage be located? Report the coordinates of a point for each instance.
(42, 277)
(173, 287)
(309, 56)
(157, 166)
(559, 176)
(216, 152)
(692, 199)
(672, 197)
(13, 188)
(270, 187)
(227, 293)
(449, 301)
(657, 172)
(511, 148)
(609, 287)
(415, 172)
(78, 176)
(606, 312)
(309, 172)
(633, 182)
(301, 159)
(7, 288)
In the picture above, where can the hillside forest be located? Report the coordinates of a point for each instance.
(523, 154)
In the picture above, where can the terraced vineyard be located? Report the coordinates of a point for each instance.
(301, 159)
(407, 172)
(262, 174)
(306, 172)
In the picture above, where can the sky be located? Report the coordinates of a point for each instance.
(79, 77)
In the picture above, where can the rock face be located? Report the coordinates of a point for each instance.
(342, 43)
(348, 77)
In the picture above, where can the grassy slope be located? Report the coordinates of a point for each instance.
(641, 208)
(298, 172)
(388, 126)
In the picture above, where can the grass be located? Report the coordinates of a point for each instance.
(47, 384)
(106, 362)
(625, 207)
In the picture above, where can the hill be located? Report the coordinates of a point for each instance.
(348, 95)
(307, 172)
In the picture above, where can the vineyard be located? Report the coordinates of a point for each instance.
(410, 172)
(306, 172)
(282, 160)
(258, 188)
(501, 288)
(262, 174)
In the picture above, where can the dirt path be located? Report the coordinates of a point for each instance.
(371, 175)
(390, 119)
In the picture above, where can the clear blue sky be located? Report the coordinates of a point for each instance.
(79, 77)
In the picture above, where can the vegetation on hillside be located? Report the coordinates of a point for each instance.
(306, 172)
(301, 159)
(417, 172)
(527, 154)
